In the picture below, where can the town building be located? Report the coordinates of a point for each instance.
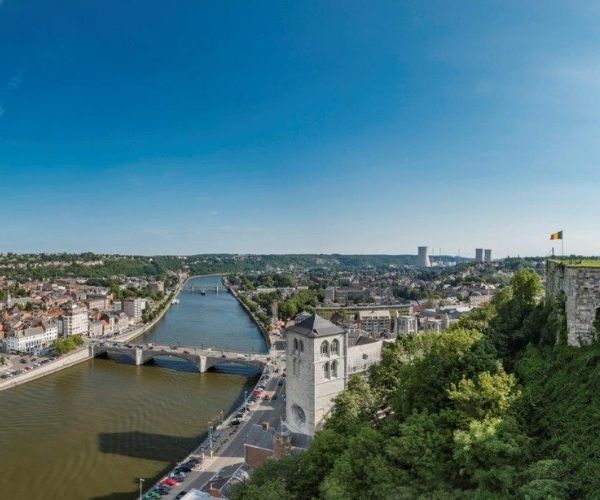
(320, 357)
(405, 325)
(133, 307)
(31, 340)
(263, 442)
(156, 287)
(376, 322)
(74, 321)
(96, 328)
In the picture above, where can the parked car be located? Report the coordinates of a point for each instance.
(235, 422)
(181, 494)
(274, 397)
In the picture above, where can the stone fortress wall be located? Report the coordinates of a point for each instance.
(581, 288)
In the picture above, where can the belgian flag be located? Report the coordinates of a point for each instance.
(557, 236)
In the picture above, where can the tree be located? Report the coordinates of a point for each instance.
(514, 305)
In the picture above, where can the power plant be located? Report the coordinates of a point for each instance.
(479, 255)
(487, 255)
(423, 257)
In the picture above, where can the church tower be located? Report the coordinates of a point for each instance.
(315, 374)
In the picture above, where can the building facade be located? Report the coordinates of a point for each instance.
(75, 321)
(376, 322)
(406, 324)
(317, 357)
(133, 307)
(33, 339)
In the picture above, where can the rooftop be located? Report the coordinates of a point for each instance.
(315, 326)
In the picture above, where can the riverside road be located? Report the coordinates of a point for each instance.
(230, 445)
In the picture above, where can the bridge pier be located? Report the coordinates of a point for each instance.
(201, 364)
(138, 357)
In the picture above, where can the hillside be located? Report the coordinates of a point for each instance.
(492, 408)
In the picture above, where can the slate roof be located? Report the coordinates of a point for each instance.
(315, 326)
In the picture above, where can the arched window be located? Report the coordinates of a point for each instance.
(299, 415)
(335, 347)
(334, 368)
(301, 346)
(295, 344)
(326, 370)
(324, 348)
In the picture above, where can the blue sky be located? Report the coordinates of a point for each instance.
(353, 127)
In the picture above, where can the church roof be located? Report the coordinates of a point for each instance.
(315, 326)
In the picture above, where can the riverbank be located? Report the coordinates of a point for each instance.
(263, 330)
(85, 353)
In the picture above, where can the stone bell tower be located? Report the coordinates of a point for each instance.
(315, 372)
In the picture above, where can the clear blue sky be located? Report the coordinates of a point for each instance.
(195, 126)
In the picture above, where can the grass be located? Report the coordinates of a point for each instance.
(577, 262)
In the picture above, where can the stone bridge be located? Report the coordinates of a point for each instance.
(203, 359)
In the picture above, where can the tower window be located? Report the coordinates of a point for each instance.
(324, 348)
(335, 347)
(301, 346)
(326, 370)
(334, 369)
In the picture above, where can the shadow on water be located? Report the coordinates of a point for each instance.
(158, 447)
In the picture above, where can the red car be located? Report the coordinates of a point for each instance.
(266, 397)
(169, 482)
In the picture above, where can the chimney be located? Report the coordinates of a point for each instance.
(265, 426)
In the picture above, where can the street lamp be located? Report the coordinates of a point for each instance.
(210, 443)
(141, 483)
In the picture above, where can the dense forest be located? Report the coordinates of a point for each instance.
(495, 407)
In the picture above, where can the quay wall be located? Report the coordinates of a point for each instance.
(61, 363)
(82, 354)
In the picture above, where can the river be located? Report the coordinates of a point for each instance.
(92, 430)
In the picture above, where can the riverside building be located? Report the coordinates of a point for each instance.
(33, 339)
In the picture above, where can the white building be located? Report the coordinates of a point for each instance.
(133, 308)
(32, 339)
(329, 295)
(320, 357)
(375, 322)
(405, 324)
(75, 321)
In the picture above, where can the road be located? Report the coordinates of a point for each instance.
(230, 446)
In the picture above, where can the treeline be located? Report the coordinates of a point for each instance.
(495, 407)
(64, 345)
(156, 267)
(87, 265)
